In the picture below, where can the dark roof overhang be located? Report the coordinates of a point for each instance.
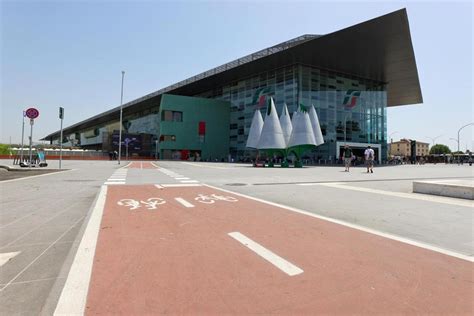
(379, 49)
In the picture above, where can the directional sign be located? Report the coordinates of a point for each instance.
(32, 113)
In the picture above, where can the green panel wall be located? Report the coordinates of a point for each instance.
(216, 114)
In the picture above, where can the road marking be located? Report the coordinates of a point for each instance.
(158, 186)
(5, 257)
(34, 281)
(354, 226)
(266, 254)
(38, 226)
(74, 294)
(109, 183)
(414, 196)
(204, 165)
(182, 178)
(41, 254)
(39, 175)
(178, 185)
(116, 179)
(184, 202)
(189, 181)
(16, 220)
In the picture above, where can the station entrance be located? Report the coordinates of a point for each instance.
(358, 151)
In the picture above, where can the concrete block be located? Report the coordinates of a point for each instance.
(463, 189)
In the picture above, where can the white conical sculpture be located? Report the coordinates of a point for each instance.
(255, 130)
(302, 133)
(318, 135)
(285, 122)
(272, 135)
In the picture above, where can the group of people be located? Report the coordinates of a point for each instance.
(369, 156)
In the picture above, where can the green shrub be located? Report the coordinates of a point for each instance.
(5, 149)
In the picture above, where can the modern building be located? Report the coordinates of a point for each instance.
(351, 77)
(403, 148)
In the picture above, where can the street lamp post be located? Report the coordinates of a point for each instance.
(120, 127)
(460, 131)
(156, 149)
(433, 139)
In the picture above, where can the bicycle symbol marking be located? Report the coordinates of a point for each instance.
(149, 204)
(212, 198)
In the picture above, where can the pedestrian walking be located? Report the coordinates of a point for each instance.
(369, 159)
(347, 154)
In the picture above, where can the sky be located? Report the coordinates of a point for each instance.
(71, 54)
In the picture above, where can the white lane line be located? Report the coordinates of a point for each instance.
(414, 196)
(5, 257)
(204, 165)
(178, 185)
(16, 220)
(116, 179)
(183, 202)
(74, 294)
(38, 226)
(361, 228)
(41, 254)
(109, 183)
(189, 181)
(34, 281)
(158, 186)
(266, 254)
(39, 175)
(182, 178)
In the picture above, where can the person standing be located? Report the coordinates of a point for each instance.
(369, 159)
(347, 157)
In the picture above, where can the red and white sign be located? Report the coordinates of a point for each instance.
(32, 113)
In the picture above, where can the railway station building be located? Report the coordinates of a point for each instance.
(351, 76)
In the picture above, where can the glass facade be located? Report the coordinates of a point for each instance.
(340, 100)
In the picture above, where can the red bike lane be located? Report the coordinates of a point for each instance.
(168, 250)
(140, 165)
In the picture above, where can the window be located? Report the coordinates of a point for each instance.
(171, 116)
(167, 138)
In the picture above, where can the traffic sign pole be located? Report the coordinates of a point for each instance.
(32, 121)
(31, 113)
(22, 136)
(61, 116)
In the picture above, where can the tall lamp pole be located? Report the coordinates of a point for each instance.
(433, 139)
(120, 127)
(460, 131)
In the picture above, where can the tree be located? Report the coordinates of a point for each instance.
(5, 149)
(440, 149)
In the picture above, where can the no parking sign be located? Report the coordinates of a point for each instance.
(32, 113)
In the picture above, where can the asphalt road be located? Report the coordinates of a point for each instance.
(43, 218)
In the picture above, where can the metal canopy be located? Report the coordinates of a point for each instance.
(379, 49)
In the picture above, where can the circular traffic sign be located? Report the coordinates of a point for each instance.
(32, 113)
